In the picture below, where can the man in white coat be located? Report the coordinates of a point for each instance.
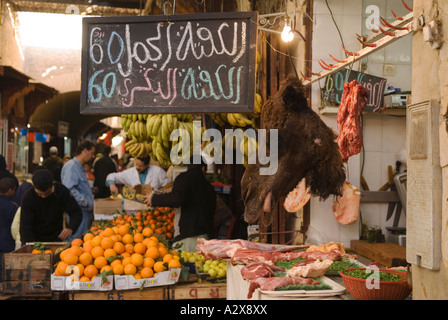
(142, 173)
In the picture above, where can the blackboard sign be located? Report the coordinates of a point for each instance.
(375, 86)
(169, 64)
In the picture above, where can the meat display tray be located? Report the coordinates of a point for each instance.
(337, 290)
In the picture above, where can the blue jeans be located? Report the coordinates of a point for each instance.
(85, 225)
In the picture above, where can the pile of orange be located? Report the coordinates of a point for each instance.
(159, 219)
(117, 250)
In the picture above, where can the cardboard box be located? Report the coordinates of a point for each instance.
(130, 205)
(59, 283)
(124, 282)
(107, 206)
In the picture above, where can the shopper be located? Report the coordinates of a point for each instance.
(4, 172)
(75, 179)
(101, 168)
(142, 173)
(43, 208)
(54, 163)
(8, 209)
(194, 200)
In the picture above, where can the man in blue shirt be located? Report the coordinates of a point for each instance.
(75, 179)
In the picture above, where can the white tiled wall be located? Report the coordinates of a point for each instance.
(384, 135)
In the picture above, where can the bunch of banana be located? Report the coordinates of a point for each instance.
(220, 118)
(161, 153)
(239, 119)
(138, 149)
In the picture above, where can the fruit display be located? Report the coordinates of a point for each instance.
(39, 247)
(214, 268)
(117, 250)
(149, 134)
(160, 220)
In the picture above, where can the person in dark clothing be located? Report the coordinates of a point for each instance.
(42, 211)
(101, 168)
(8, 210)
(54, 163)
(4, 172)
(194, 200)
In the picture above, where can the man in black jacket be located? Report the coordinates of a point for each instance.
(194, 200)
(101, 168)
(43, 207)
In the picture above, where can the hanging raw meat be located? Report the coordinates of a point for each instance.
(346, 207)
(354, 99)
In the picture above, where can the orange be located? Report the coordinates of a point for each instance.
(130, 269)
(148, 262)
(76, 250)
(129, 248)
(167, 257)
(63, 253)
(96, 241)
(146, 272)
(118, 247)
(137, 259)
(109, 253)
(126, 261)
(152, 252)
(85, 259)
(84, 279)
(88, 236)
(138, 237)
(108, 232)
(90, 271)
(125, 254)
(107, 243)
(87, 246)
(100, 262)
(163, 251)
(138, 275)
(159, 266)
(115, 262)
(124, 229)
(79, 269)
(147, 232)
(97, 252)
(115, 238)
(152, 243)
(127, 239)
(140, 248)
(62, 269)
(174, 263)
(118, 269)
(70, 258)
(48, 251)
(77, 242)
(106, 268)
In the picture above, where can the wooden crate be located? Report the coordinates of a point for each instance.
(197, 291)
(107, 206)
(156, 293)
(26, 274)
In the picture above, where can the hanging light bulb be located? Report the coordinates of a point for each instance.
(287, 34)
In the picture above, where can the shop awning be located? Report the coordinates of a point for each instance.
(15, 85)
(63, 107)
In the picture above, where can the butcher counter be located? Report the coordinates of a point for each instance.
(238, 288)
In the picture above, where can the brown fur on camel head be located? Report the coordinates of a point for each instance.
(307, 149)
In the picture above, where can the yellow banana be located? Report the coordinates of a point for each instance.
(231, 119)
(149, 125)
(156, 126)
